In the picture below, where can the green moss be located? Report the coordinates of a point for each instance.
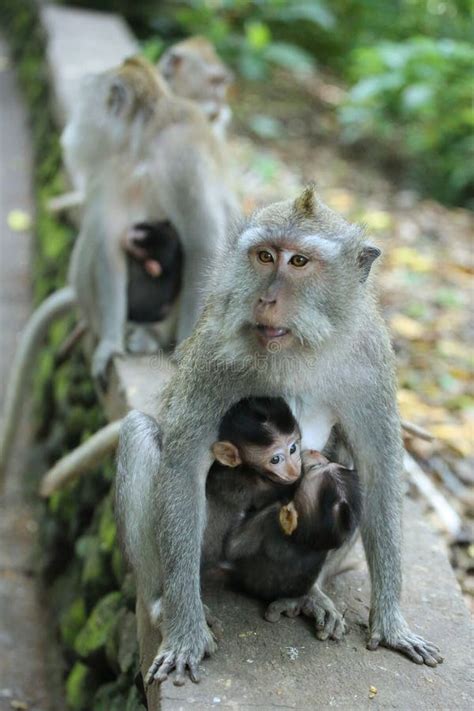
(100, 625)
(72, 621)
(80, 686)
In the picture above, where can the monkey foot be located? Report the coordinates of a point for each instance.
(330, 623)
(411, 645)
(182, 657)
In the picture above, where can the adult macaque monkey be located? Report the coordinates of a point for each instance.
(194, 71)
(145, 156)
(290, 313)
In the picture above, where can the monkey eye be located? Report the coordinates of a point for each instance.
(276, 459)
(265, 256)
(293, 448)
(298, 260)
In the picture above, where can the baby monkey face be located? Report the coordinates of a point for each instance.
(280, 460)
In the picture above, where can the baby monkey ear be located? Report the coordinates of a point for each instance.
(288, 518)
(366, 257)
(227, 454)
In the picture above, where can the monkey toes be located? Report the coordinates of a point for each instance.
(330, 623)
(182, 658)
(411, 645)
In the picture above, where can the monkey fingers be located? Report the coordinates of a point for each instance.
(164, 663)
(291, 607)
(411, 645)
(330, 623)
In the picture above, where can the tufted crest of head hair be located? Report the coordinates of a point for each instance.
(305, 204)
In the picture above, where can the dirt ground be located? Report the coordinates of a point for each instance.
(287, 134)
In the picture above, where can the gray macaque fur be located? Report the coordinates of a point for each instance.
(340, 364)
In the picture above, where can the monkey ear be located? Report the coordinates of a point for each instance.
(304, 205)
(117, 97)
(227, 454)
(169, 64)
(366, 257)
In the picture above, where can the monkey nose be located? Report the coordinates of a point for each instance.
(267, 300)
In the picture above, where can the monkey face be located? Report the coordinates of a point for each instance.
(194, 71)
(301, 271)
(280, 461)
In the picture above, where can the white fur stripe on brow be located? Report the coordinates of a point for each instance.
(327, 247)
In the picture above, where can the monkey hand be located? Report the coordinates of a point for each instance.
(183, 655)
(397, 635)
(329, 621)
(103, 354)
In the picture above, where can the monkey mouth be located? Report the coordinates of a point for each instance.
(270, 333)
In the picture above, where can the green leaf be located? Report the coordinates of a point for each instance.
(289, 56)
(258, 34)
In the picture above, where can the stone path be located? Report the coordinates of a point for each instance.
(25, 675)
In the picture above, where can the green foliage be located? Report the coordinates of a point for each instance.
(251, 34)
(80, 686)
(101, 622)
(417, 96)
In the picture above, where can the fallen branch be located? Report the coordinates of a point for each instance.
(81, 459)
(449, 517)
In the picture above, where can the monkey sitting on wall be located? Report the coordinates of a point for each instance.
(258, 461)
(279, 552)
(154, 266)
(290, 312)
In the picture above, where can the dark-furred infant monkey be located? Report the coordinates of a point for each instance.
(154, 266)
(278, 552)
(258, 461)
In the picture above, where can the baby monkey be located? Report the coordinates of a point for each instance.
(279, 551)
(258, 461)
(154, 265)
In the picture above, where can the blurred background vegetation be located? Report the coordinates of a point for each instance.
(405, 67)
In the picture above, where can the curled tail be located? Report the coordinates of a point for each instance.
(56, 305)
(138, 463)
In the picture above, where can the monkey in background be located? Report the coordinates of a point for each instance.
(279, 551)
(145, 156)
(156, 159)
(290, 312)
(194, 71)
(257, 462)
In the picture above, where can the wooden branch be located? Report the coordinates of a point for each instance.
(449, 517)
(82, 459)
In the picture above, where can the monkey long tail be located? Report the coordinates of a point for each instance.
(56, 305)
